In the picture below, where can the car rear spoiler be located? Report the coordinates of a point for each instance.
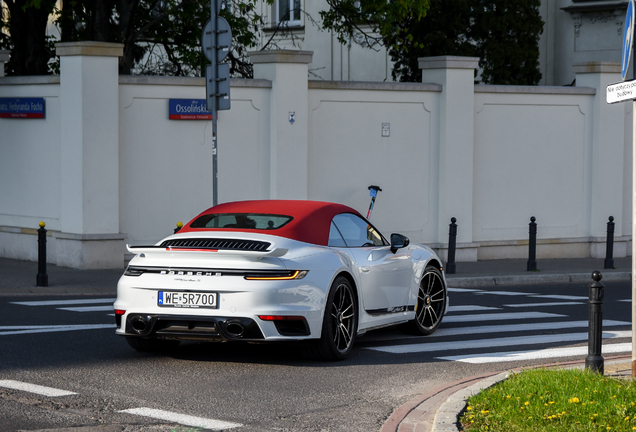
(274, 253)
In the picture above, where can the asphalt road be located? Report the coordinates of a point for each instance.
(272, 387)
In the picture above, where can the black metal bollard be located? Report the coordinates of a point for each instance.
(42, 278)
(532, 245)
(452, 245)
(594, 360)
(609, 247)
(178, 228)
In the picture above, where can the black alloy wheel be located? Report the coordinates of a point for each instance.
(340, 323)
(431, 302)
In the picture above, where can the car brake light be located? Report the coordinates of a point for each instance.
(281, 318)
(120, 312)
(294, 274)
(175, 249)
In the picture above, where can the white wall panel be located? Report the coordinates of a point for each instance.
(531, 159)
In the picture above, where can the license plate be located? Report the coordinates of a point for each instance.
(187, 299)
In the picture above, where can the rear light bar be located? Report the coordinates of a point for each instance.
(290, 275)
(185, 249)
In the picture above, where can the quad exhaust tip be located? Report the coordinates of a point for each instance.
(140, 324)
(234, 328)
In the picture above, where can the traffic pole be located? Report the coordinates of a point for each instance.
(634, 234)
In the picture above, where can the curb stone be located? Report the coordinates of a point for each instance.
(489, 281)
(447, 416)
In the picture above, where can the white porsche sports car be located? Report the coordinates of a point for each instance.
(277, 270)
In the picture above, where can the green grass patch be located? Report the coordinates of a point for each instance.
(553, 400)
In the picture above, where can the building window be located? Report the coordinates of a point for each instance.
(288, 12)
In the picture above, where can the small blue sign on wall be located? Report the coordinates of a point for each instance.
(188, 109)
(21, 107)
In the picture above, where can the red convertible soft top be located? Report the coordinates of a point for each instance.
(311, 219)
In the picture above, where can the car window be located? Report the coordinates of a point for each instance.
(335, 238)
(241, 220)
(356, 231)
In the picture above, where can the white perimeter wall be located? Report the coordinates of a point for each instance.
(166, 165)
(535, 151)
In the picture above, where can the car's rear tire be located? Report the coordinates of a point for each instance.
(151, 345)
(431, 303)
(340, 323)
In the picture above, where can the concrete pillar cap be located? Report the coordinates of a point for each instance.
(448, 62)
(281, 56)
(89, 48)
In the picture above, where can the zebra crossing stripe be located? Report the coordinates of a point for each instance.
(64, 302)
(15, 330)
(182, 419)
(493, 343)
(562, 297)
(460, 290)
(535, 355)
(534, 305)
(505, 293)
(34, 388)
(108, 308)
(470, 308)
(500, 316)
(521, 327)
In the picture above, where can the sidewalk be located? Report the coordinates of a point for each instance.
(513, 272)
(18, 277)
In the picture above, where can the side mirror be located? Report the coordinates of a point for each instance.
(398, 241)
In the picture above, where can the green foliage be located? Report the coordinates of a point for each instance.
(504, 34)
(444, 31)
(163, 37)
(375, 20)
(553, 401)
(507, 34)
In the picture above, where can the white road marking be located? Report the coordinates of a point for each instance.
(14, 330)
(182, 419)
(505, 293)
(561, 297)
(539, 354)
(500, 316)
(64, 302)
(626, 300)
(462, 290)
(544, 304)
(497, 342)
(33, 388)
(521, 327)
(108, 308)
(470, 308)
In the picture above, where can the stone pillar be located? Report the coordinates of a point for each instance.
(608, 150)
(456, 75)
(289, 106)
(4, 58)
(89, 105)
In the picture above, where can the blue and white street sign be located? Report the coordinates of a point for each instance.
(628, 40)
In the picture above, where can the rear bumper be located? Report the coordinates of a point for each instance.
(204, 328)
